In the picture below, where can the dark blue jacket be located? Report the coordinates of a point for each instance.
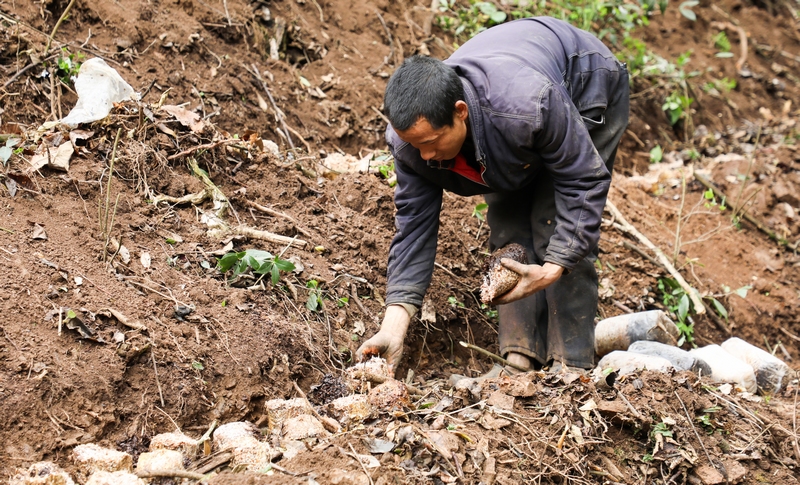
(526, 84)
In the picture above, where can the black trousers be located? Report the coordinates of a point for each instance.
(558, 322)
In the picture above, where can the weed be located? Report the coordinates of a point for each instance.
(453, 301)
(68, 65)
(656, 154)
(479, 211)
(258, 261)
(677, 301)
(314, 302)
(677, 107)
(686, 9)
(711, 200)
(8, 149)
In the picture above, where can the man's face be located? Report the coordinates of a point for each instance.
(438, 144)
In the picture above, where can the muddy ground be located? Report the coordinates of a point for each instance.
(239, 347)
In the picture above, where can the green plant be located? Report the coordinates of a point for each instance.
(314, 302)
(656, 154)
(8, 149)
(686, 9)
(68, 65)
(677, 106)
(677, 301)
(453, 301)
(258, 261)
(479, 211)
(343, 301)
(488, 311)
(722, 43)
(711, 200)
(662, 429)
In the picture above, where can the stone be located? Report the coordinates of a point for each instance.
(174, 441)
(391, 395)
(709, 475)
(303, 427)
(350, 410)
(338, 476)
(235, 435)
(736, 471)
(501, 400)
(255, 458)
(279, 410)
(160, 460)
(444, 441)
(91, 458)
(42, 473)
(114, 478)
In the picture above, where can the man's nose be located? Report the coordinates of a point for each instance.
(427, 154)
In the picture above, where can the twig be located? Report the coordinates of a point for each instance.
(680, 216)
(268, 236)
(789, 334)
(171, 298)
(746, 216)
(321, 17)
(169, 474)
(427, 28)
(5, 334)
(383, 116)
(742, 41)
(389, 57)
(327, 423)
(626, 227)
(630, 406)
(737, 205)
(58, 24)
(695, 432)
(207, 146)
(363, 467)
(227, 15)
(278, 113)
(794, 424)
(155, 369)
(492, 356)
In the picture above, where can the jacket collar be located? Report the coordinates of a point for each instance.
(475, 119)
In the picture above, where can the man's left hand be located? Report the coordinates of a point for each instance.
(533, 278)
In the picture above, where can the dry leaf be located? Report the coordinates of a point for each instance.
(145, 259)
(185, 117)
(52, 157)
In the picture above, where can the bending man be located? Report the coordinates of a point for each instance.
(530, 114)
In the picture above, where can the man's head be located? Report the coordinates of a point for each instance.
(424, 101)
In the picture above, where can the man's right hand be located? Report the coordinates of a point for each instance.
(388, 342)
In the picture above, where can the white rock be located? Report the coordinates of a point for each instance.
(174, 441)
(91, 458)
(350, 410)
(248, 452)
(236, 434)
(160, 460)
(42, 473)
(114, 478)
(302, 427)
(279, 410)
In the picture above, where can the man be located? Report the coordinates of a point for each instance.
(530, 114)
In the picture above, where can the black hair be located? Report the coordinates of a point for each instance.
(422, 86)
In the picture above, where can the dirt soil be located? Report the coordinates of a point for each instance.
(182, 346)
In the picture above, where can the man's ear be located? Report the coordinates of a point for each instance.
(462, 110)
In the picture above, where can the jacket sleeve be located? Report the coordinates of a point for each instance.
(413, 249)
(580, 177)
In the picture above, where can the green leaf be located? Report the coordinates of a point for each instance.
(683, 307)
(686, 9)
(226, 262)
(743, 291)
(656, 154)
(5, 154)
(498, 17)
(276, 275)
(197, 365)
(284, 265)
(71, 315)
(720, 308)
(312, 303)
